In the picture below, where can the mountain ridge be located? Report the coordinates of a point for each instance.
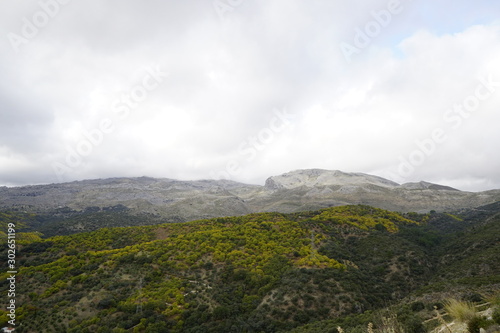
(307, 189)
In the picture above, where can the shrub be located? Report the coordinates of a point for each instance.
(460, 310)
(417, 306)
(496, 315)
(390, 324)
(413, 324)
(475, 298)
(475, 324)
(106, 303)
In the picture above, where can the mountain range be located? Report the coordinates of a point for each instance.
(299, 190)
(288, 257)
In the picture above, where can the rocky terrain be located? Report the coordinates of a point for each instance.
(290, 192)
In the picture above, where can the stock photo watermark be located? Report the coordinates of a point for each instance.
(453, 116)
(12, 271)
(364, 36)
(249, 148)
(121, 108)
(31, 26)
(225, 7)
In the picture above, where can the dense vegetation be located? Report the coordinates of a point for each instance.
(66, 221)
(268, 272)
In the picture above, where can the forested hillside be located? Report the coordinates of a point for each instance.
(266, 272)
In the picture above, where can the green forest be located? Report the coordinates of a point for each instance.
(312, 271)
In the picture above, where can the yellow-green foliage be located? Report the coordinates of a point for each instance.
(460, 310)
(3, 317)
(18, 219)
(100, 240)
(363, 217)
(248, 242)
(177, 261)
(454, 217)
(24, 238)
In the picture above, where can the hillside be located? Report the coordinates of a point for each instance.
(91, 204)
(265, 272)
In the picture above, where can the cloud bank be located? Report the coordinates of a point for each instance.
(249, 89)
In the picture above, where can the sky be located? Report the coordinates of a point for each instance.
(247, 89)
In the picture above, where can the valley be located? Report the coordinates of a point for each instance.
(262, 272)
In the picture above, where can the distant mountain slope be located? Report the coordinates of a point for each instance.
(319, 177)
(293, 191)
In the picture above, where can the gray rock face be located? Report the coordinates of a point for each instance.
(318, 177)
(426, 186)
(293, 191)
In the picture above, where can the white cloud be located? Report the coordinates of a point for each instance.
(226, 78)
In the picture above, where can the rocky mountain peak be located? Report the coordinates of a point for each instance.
(427, 186)
(320, 177)
(297, 190)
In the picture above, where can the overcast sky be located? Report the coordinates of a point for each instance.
(247, 89)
